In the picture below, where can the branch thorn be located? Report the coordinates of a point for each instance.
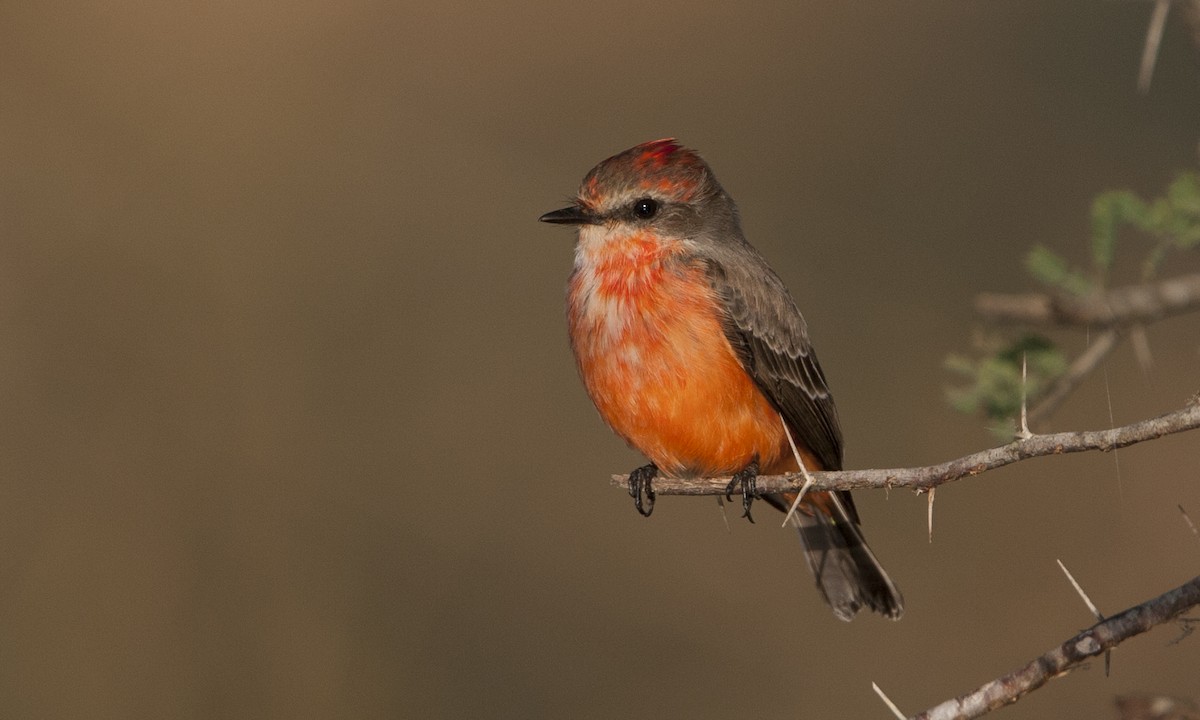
(1024, 433)
(1187, 519)
(808, 480)
(1086, 600)
(888, 701)
(932, 491)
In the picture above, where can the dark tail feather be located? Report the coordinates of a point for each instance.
(848, 575)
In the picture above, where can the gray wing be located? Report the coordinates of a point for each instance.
(770, 338)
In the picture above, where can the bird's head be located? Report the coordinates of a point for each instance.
(660, 185)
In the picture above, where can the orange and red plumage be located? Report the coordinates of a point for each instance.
(655, 361)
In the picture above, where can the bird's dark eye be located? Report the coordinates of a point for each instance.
(645, 208)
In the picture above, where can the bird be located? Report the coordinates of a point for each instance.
(694, 352)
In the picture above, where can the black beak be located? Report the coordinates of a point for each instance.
(573, 215)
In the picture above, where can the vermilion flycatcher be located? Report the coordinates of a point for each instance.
(694, 352)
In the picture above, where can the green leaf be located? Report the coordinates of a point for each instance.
(1051, 269)
(1110, 210)
(995, 384)
(1183, 195)
(1046, 265)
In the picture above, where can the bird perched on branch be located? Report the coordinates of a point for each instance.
(694, 352)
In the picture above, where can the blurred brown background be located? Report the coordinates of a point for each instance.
(290, 424)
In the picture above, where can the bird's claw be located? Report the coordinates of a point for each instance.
(641, 490)
(746, 478)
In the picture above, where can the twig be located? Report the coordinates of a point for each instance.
(1154, 33)
(1127, 305)
(1072, 653)
(926, 478)
(1080, 369)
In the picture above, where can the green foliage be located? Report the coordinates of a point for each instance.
(1174, 221)
(1051, 269)
(1171, 223)
(994, 382)
(1110, 210)
(1177, 216)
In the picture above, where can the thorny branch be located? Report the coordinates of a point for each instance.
(1123, 306)
(929, 477)
(1088, 644)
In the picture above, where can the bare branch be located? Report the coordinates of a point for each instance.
(1090, 643)
(1080, 369)
(1127, 305)
(926, 478)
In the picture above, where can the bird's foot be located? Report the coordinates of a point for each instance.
(641, 490)
(746, 479)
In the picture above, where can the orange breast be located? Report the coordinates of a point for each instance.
(647, 337)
